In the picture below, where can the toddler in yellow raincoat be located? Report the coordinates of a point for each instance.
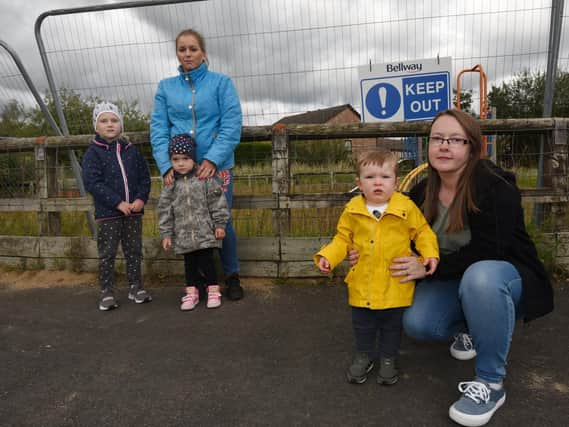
(380, 225)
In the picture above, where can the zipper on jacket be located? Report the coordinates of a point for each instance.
(192, 105)
(123, 172)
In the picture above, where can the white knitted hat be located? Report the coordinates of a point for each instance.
(106, 107)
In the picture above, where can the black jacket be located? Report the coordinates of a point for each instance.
(498, 233)
(114, 172)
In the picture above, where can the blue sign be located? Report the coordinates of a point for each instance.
(383, 100)
(405, 90)
(425, 95)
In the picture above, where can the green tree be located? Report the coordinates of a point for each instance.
(17, 121)
(523, 95)
(465, 100)
(134, 119)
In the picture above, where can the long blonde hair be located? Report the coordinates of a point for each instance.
(464, 198)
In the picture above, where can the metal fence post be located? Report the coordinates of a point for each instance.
(551, 74)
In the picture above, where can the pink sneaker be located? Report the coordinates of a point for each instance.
(213, 296)
(191, 299)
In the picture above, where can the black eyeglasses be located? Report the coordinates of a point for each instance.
(437, 140)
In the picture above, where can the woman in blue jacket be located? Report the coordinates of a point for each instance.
(205, 105)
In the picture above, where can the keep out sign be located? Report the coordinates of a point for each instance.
(405, 91)
(424, 96)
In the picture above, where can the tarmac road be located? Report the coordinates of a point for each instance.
(275, 358)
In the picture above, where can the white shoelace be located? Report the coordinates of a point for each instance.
(474, 390)
(466, 341)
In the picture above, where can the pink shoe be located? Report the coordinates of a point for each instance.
(191, 299)
(213, 296)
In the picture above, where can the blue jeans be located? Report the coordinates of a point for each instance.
(228, 251)
(485, 303)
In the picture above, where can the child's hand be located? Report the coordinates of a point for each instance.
(324, 265)
(124, 207)
(166, 243)
(219, 233)
(430, 265)
(137, 205)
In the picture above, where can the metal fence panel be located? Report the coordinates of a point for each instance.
(291, 56)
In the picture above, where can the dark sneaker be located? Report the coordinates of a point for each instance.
(388, 373)
(477, 404)
(234, 291)
(107, 300)
(359, 369)
(138, 295)
(462, 348)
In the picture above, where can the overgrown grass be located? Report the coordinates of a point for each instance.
(252, 180)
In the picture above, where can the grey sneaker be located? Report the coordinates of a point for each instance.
(462, 348)
(138, 295)
(360, 367)
(107, 300)
(477, 404)
(388, 373)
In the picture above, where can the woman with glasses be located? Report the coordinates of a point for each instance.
(489, 273)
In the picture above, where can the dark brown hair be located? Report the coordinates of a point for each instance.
(376, 157)
(464, 198)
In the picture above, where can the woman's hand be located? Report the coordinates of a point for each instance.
(206, 170)
(169, 178)
(166, 243)
(409, 268)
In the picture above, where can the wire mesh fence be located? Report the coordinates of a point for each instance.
(286, 57)
(291, 56)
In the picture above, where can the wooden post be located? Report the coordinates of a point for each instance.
(46, 183)
(281, 179)
(558, 167)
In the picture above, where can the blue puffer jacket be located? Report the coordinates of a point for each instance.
(203, 104)
(113, 172)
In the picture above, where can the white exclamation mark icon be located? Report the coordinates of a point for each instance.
(382, 92)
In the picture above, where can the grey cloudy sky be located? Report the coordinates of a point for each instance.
(285, 56)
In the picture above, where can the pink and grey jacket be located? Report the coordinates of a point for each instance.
(113, 172)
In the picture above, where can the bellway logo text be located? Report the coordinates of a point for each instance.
(396, 68)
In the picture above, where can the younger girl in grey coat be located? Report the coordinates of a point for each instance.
(193, 214)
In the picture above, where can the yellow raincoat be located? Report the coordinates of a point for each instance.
(370, 284)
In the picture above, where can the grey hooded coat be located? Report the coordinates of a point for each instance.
(189, 212)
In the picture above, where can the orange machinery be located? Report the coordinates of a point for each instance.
(485, 112)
